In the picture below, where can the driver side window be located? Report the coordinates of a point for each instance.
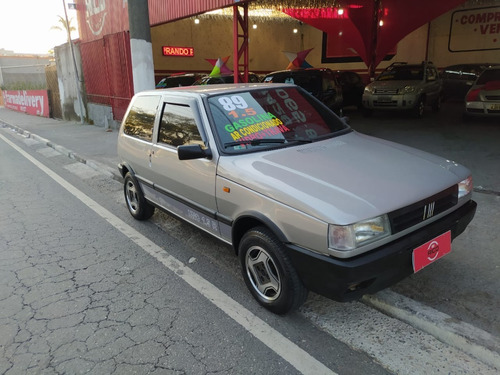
(178, 126)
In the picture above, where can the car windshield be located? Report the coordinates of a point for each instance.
(488, 76)
(402, 73)
(262, 119)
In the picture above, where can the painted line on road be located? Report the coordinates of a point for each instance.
(274, 340)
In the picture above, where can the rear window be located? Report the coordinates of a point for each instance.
(141, 117)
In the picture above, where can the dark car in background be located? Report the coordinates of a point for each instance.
(225, 78)
(320, 82)
(483, 98)
(352, 87)
(458, 79)
(176, 80)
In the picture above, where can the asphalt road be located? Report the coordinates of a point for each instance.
(464, 284)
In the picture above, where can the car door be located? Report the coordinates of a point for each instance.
(184, 187)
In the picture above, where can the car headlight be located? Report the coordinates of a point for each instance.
(408, 89)
(369, 90)
(350, 237)
(465, 187)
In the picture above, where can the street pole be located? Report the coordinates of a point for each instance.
(78, 83)
(141, 48)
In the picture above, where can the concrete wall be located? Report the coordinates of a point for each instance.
(23, 72)
(68, 88)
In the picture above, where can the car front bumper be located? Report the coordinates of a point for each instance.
(397, 102)
(482, 108)
(349, 279)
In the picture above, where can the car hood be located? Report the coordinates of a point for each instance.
(345, 179)
(490, 88)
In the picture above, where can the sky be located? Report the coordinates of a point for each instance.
(25, 25)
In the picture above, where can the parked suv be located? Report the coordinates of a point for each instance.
(403, 86)
(306, 202)
(320, 82)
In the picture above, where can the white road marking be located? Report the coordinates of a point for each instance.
(285, 348)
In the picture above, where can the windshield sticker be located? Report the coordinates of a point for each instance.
(278, 114)
(247, 123)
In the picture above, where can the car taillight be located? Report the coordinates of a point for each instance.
(473, 95)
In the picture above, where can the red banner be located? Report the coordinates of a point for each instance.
(32, 102)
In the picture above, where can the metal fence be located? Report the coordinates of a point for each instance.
(107, 70)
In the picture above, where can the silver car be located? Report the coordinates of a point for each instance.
(483, 98)
(404, 87)
(306, 202)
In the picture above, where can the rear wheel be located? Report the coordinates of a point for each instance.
(269, 273)
(137, 205)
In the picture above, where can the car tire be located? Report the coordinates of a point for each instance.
(137, 205)
(269, 273)
(436, 107)
(418, 110)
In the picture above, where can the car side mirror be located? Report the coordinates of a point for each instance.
(190, 152)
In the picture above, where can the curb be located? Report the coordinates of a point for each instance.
(102, 168)
(463, 336)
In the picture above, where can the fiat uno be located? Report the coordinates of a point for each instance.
(306, 202)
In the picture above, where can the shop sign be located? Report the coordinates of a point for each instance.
(475, 30)
(178, 51)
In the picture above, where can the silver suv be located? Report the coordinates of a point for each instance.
(306, 202)
(403, 86)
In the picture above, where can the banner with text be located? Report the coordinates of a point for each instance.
(32, 102)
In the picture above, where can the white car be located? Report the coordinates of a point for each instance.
(483, 98)
(306, 202)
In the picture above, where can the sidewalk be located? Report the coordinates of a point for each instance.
(88, 144)
(464, 287)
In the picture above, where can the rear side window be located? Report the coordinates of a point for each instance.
(141, 117)
(178, 126)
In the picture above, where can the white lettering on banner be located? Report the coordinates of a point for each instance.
(23, 99)
(95, 15)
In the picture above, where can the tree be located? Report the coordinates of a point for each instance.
(65, 26)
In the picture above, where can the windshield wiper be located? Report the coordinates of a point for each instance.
(253, 142)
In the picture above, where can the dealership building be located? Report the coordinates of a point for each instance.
(363, 36)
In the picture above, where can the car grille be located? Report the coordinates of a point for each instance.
(386, 91)
(416, 213)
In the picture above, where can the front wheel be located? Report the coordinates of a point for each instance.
(418, 111)
(436, 107)
(137, 205)
(269, 273)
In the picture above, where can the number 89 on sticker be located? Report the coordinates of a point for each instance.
(230, 103)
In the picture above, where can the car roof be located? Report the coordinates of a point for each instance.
(209, 90)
